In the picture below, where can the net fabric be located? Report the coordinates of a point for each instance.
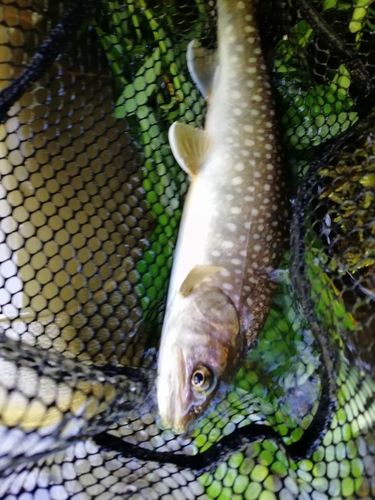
(89, 210)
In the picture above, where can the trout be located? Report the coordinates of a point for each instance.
(232, 228)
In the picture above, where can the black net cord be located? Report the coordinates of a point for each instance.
(360, 76)
(51, 48)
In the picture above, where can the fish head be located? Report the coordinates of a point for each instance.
(200, 348)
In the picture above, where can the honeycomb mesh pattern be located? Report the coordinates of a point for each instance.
(90, 203)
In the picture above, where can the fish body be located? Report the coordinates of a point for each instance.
(231, 232)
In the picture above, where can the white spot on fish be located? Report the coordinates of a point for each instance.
(251, 69)
(237, 180)
(236, 94)
(231, 226)
(250, 188)
(247, 225)
(227, 286)
(236, 262)
(249, 301)
(254, 211)
(249, 142)
(254, 112)
(235, 210)
(240, 5)
(257, 248)
(248, 17)
(249, 198)
(239, 48)
(228, 244)
(267, 187)
(243, 253)
(237, 111)
(256, 236)
(256, 97)
(249, 128)
(239, 167)
(249, 29)
(229, 197)
(216, 253)
(257, 174)
(225, 273)
(257, 51)
(269, 166)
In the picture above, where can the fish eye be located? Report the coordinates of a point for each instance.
(202, 378)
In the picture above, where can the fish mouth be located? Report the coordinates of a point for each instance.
(174, 393)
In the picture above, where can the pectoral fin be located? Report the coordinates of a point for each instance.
(202, 65)
(189, 146)
(196, 276)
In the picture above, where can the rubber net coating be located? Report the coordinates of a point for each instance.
(90, 202)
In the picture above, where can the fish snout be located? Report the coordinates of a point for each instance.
(173, 391)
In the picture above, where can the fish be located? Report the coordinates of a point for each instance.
(232, 231)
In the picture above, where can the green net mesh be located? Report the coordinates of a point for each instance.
(90, 203)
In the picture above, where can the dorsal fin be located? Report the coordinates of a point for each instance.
(189, 146)
(196, 276)
(202, 65)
